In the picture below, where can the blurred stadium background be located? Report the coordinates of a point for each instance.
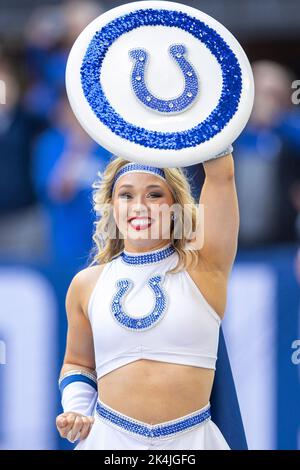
(47, 166)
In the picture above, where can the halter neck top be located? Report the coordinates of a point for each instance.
(138, 310)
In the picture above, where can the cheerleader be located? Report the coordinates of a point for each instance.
(144, 318)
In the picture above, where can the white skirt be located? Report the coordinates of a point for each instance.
(113, 430)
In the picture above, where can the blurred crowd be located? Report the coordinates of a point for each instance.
(48, 163)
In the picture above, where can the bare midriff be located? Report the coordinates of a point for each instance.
(154, 391)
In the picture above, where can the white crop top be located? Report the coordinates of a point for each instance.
(138, 311)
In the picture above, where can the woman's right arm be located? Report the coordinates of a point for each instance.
(79, 353)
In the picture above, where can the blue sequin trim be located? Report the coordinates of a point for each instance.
(171, 106)
(148, 258)
(142, 322)
(138, 167)
(205, 130)
(156, 431)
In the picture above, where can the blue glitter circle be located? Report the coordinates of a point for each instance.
(204, 131)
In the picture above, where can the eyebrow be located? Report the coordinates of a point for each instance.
(149, 186)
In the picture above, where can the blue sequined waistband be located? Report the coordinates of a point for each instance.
(165, 430)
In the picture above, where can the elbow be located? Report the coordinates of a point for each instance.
(229, 174)
(228, 170)
(223, 177)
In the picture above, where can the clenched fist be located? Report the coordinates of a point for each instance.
(74, 426)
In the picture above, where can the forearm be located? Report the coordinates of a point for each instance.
(220, 169)
(78, 388)
(219, 200)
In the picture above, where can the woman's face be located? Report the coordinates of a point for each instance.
(141, 204)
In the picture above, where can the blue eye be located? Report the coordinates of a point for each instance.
(124, 194)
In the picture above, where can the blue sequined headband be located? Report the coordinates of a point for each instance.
(138, 167)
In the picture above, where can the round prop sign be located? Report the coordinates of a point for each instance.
(160, 83)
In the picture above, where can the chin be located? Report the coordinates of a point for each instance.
(142, 243)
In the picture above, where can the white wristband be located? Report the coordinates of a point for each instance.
(78, 391)
(227, 151)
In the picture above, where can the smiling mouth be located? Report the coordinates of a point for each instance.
(140, 224)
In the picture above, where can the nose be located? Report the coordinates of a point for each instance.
(139, 206)
(139, 199)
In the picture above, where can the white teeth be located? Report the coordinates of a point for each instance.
(136, 222)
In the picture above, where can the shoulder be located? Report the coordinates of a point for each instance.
(82, 285)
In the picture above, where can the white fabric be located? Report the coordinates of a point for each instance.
(187, 334)
(79, 397)
(226, 151)
(104, 436)
(165, 80)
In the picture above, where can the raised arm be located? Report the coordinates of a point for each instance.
(221, 215)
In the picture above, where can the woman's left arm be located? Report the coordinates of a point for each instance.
(221, 214)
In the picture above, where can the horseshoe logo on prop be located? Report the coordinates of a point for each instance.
(175, 105)
(139, 323)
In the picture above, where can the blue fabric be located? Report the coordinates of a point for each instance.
(225, 410)
(76, 378)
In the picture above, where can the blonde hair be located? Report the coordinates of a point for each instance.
(106, 248)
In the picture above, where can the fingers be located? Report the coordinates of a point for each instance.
(87, 424)
(74, 433)
(60, 422)
(74, 426)
(65, 423)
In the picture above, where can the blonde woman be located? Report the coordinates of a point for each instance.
(144, 319)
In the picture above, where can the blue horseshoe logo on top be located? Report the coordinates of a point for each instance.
(175, 105)
(147, 321)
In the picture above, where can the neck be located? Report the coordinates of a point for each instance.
(130, 248)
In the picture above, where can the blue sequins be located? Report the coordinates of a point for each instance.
(205, 130)
(175, 105)
(138, 167)
(148, 258)
(144, 322)
(156, 431)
